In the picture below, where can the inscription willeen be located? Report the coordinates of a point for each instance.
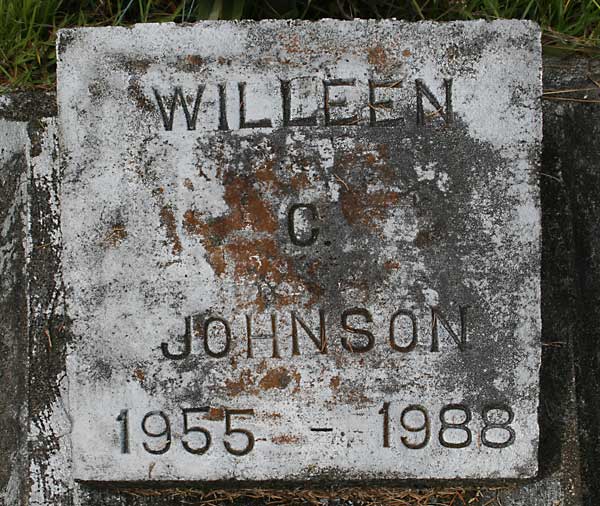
(190, 102)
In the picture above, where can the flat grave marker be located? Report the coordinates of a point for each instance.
(302, 250)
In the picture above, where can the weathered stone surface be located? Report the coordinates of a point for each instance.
(176, 224)
(34, 426)
(573, 155)
(13, 314)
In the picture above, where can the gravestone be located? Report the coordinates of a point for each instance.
(302, 250)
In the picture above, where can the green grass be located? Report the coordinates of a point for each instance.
(28, 27)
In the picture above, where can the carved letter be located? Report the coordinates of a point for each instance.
(410, 346)
(190, 118)
(261, 123)
(422, 89)
(314, 232)
(223, 107)
(370, 338)
(187, 343)
(275, 353)
(225, 350)
(286, 92)
(328, 104)
(320, 342)
(384, 104)
(437, 316)
(249, 352)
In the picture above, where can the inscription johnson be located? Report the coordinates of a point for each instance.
(302, 251)
(206, 326)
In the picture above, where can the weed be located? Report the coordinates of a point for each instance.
(28, 27)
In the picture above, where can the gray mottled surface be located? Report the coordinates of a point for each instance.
(164, 220)
(13, 314)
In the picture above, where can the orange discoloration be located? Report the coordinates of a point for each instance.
(194, 59)
(266, 174)
(370, 158)
(357, 397)
(262, 367)
(334, 383)
(215, 414)
(193, 225)
(391, 265)
(300, 181)
(247, 211)
(297, 377)
(241, 243)
(274, 416)
(138, 373)
(275, 378)
(243, 384)
(187, 182)
(367, 209)
(406, 53)
(258, 257)
(117, 235)
(293, 45)
(285, 439)
(167, 219)
(383, 150)
(377, 56)
(313, 267)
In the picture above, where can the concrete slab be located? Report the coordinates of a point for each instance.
(302, 250)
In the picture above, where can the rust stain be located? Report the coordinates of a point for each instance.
(406, 53)
(391, 265)
(285, 439)
(258, 257)
(215, 414)
(167, 219)
(313, 267)
(135, 90)
(357, 397)
(187, 182)
(297, 377)
(275, 378)
(334, 383)
(300, 181)
(370, 158)
(377, 56)
(242, 242)
(139, 374)
(262, 367)
(266, 174)
(292, 45)
(368, 210)
(116, 236)
(194, 59)
(243, 384)
(247, 211)
(383, 150)
(273, 416)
